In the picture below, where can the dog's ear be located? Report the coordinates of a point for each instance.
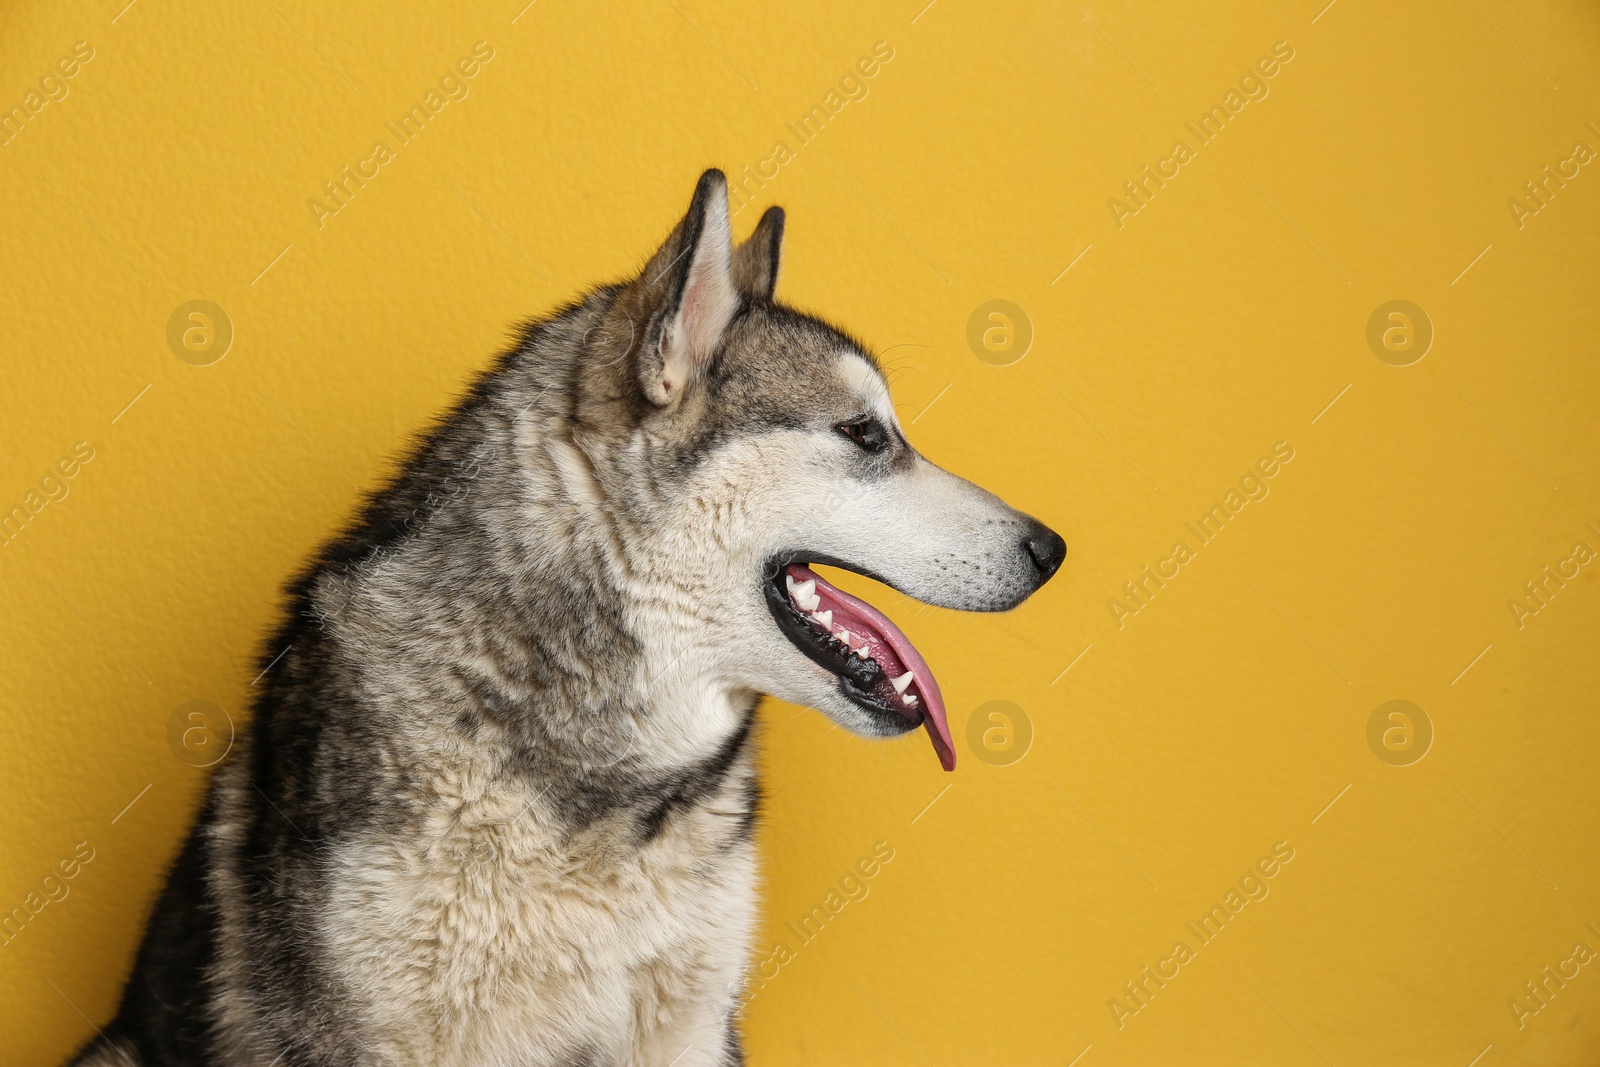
(755, 262)
(688, 294)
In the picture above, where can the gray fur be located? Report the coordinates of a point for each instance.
(496, 800)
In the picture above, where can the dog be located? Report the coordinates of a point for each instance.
(495, 802)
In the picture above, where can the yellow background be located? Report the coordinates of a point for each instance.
(1223, 317)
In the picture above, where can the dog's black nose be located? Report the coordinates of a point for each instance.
(1047, 550)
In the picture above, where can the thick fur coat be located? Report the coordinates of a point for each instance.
(495, 802)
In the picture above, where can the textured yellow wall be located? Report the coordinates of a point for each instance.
(1178, 338)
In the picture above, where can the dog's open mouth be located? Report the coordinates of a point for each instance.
(878, 667)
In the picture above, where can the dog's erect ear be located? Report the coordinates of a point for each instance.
(688, 287)
(755, 262)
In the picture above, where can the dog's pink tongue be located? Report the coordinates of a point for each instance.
(894, 652)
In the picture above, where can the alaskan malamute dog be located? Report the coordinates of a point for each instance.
(494, 805)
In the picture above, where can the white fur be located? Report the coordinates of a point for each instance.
(497, 941)
(866, 381)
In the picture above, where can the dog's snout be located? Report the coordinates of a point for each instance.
(1046, 548)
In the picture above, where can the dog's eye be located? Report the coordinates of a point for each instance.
(868, 433)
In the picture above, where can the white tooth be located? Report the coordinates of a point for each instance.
(804, 590)
(843, 635)
(788, 580)
(824, 617)
(904, 680)
(909, 700)
(862, 651)
(812, 604)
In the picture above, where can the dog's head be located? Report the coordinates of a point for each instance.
(737, 442)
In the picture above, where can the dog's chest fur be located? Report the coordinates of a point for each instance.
(491, 934)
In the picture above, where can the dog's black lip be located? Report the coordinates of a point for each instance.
(792, 625)
(775, 566)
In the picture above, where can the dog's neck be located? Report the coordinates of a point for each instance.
(513, 605)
